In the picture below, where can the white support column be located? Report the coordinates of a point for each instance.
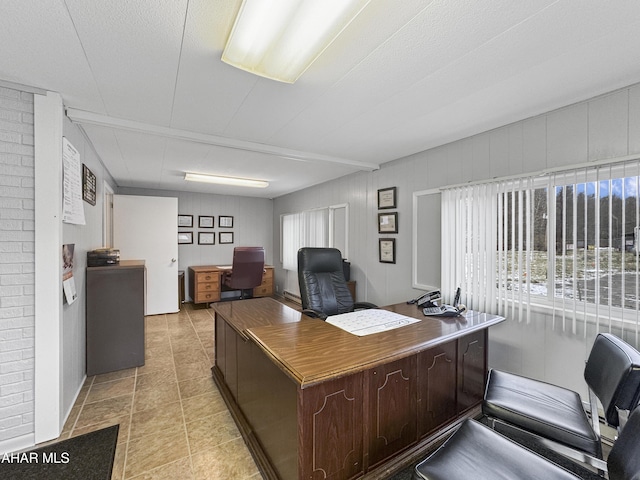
(48, 118)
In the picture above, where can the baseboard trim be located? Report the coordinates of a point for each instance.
(17, 443)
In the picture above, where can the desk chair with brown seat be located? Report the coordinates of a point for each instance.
(246, 271)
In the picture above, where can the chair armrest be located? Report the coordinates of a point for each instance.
(314, 314)
(363, 305)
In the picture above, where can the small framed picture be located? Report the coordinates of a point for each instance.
(225, 221)
(185, 237)
(388, 222)
(225, 237)
(185, 221)
(387, 250)
(387, 198)
(88, 185)
(206, 238)
(205, 221)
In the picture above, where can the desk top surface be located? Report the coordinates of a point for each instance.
(310, 350)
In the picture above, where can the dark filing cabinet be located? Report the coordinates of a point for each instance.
(115, 317)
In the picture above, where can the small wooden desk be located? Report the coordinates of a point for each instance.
(204, 283)
(313, 401)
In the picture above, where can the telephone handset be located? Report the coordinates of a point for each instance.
(426, 299)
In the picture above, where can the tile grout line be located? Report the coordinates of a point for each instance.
(84, 402)
(133, 398)
(131, 412)
(175, 370)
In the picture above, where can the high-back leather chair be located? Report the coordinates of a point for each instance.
(246, 271)
(323, 288)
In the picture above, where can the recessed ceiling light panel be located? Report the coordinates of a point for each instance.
(221, 180)
(279, 39)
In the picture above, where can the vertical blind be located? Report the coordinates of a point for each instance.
(304, 229)
(567, 240)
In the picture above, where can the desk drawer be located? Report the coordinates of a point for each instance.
(263, 291)
(202, 297)
(208, 286)
(266, 287)
(205, 277)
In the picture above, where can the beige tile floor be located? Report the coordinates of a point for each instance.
(173, 421)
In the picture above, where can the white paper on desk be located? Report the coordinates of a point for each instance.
(367, 322)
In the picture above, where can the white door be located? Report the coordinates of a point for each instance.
(146, 228)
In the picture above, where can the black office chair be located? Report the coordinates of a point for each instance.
(246, 271)
(323, 288)
(554, 417)
(475, 451)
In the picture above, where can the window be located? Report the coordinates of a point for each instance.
(303, 229)
(567, 239)
(595, 227)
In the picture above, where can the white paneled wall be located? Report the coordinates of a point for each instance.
(84, 237)
(604, 127)
(252, 226)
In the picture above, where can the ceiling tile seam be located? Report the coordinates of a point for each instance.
(348, 72)
(175, 82)
(568, 54)
(338, 126)
(448, 65)
(239, 106)
(86, 57)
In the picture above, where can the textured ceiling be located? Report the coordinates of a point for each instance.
(144, 79)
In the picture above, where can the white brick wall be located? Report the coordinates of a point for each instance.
(16, 264)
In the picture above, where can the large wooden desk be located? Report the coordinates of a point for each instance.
(315, 402)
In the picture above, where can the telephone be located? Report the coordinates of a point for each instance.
(443, 311)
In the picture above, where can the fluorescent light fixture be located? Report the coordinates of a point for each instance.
(279, 39)
(239, 182)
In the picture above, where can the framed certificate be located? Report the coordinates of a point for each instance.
(185, 221)
(388, 222)
(185, 237)
(206, 238)
(387, 250)
(205, 221)
(225, 237)
(225, 221)
(387, 198)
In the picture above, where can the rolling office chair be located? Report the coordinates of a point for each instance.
(554, 417)
(246, 271)
(475, 451)
(323, 288)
